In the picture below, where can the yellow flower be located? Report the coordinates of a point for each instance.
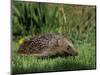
(21, 40)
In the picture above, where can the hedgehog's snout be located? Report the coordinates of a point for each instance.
(71, 52)
(75, 53)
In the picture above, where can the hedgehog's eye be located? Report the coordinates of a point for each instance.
(68, 47)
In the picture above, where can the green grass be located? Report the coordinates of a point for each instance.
(30, 64)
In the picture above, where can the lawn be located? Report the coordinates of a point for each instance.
(29, 64)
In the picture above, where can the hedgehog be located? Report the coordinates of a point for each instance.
(48, 45)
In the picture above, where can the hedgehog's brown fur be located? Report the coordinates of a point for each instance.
(47, 45)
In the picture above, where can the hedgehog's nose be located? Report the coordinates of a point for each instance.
(76, 53)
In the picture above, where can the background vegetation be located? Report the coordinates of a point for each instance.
(74, 21)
